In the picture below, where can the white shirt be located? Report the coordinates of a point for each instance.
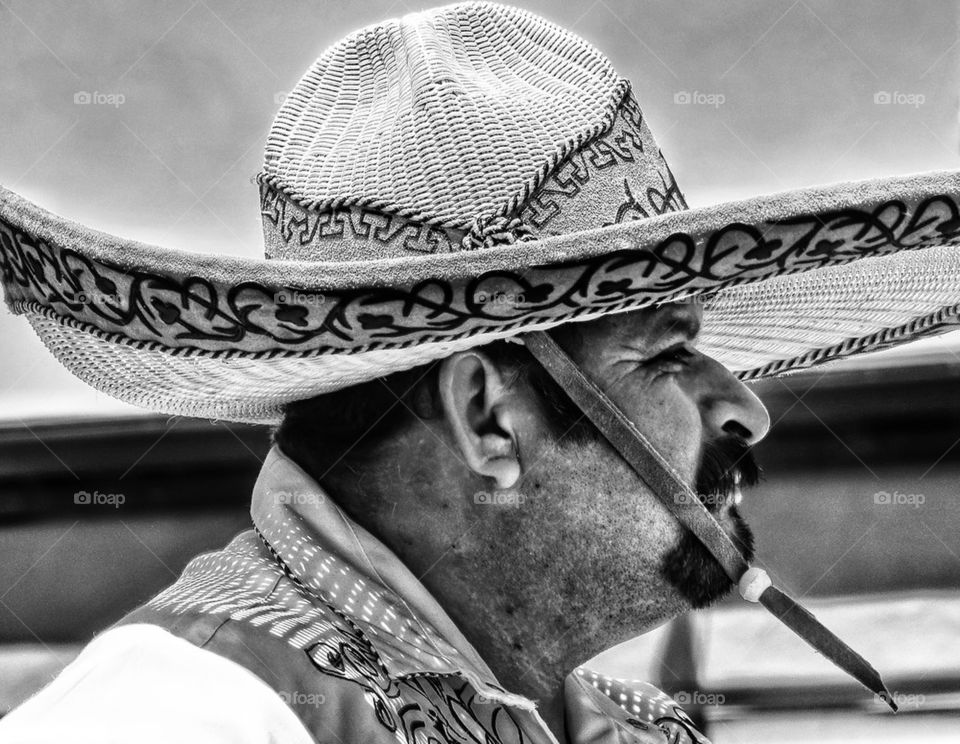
(140, 683)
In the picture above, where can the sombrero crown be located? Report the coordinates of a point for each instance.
(462, 175)
(456, 129)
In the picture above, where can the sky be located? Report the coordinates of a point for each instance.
(784, 95)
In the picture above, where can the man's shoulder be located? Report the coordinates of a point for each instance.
(141, 682)
(239, 604)
(240, 569)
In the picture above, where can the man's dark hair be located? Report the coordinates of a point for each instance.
(340, 429)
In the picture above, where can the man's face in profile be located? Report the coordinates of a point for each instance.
(588, 538)
(659, 378)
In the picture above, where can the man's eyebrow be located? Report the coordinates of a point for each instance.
(676, 321)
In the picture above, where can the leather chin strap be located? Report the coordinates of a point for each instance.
(679, 498)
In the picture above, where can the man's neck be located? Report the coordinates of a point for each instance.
(528, 654)
(532, 615)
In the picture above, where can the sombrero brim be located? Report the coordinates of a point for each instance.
(788, 280)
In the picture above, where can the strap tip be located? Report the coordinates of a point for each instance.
(884, 696)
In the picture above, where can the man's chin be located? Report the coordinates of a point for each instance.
(695, 573)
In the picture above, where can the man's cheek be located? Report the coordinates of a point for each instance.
(635, 516)
(671, 421)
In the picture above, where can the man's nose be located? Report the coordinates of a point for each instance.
(729, 407)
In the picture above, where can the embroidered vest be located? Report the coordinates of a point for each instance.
(241, 604)
(245, 605)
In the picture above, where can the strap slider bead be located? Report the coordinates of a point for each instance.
(753, 583)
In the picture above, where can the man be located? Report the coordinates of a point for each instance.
(452, 522)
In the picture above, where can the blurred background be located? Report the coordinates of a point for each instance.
(148, 120)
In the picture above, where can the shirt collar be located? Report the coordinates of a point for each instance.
(348, 567)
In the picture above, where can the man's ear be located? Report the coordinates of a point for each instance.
(473, 397)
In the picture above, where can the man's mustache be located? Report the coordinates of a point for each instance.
(725, 463)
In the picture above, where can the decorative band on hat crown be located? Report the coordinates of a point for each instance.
(617, 176)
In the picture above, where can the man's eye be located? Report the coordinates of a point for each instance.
(675, 355)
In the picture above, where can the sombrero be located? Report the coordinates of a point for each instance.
(466, 174)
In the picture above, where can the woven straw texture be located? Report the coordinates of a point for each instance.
(373, 120)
